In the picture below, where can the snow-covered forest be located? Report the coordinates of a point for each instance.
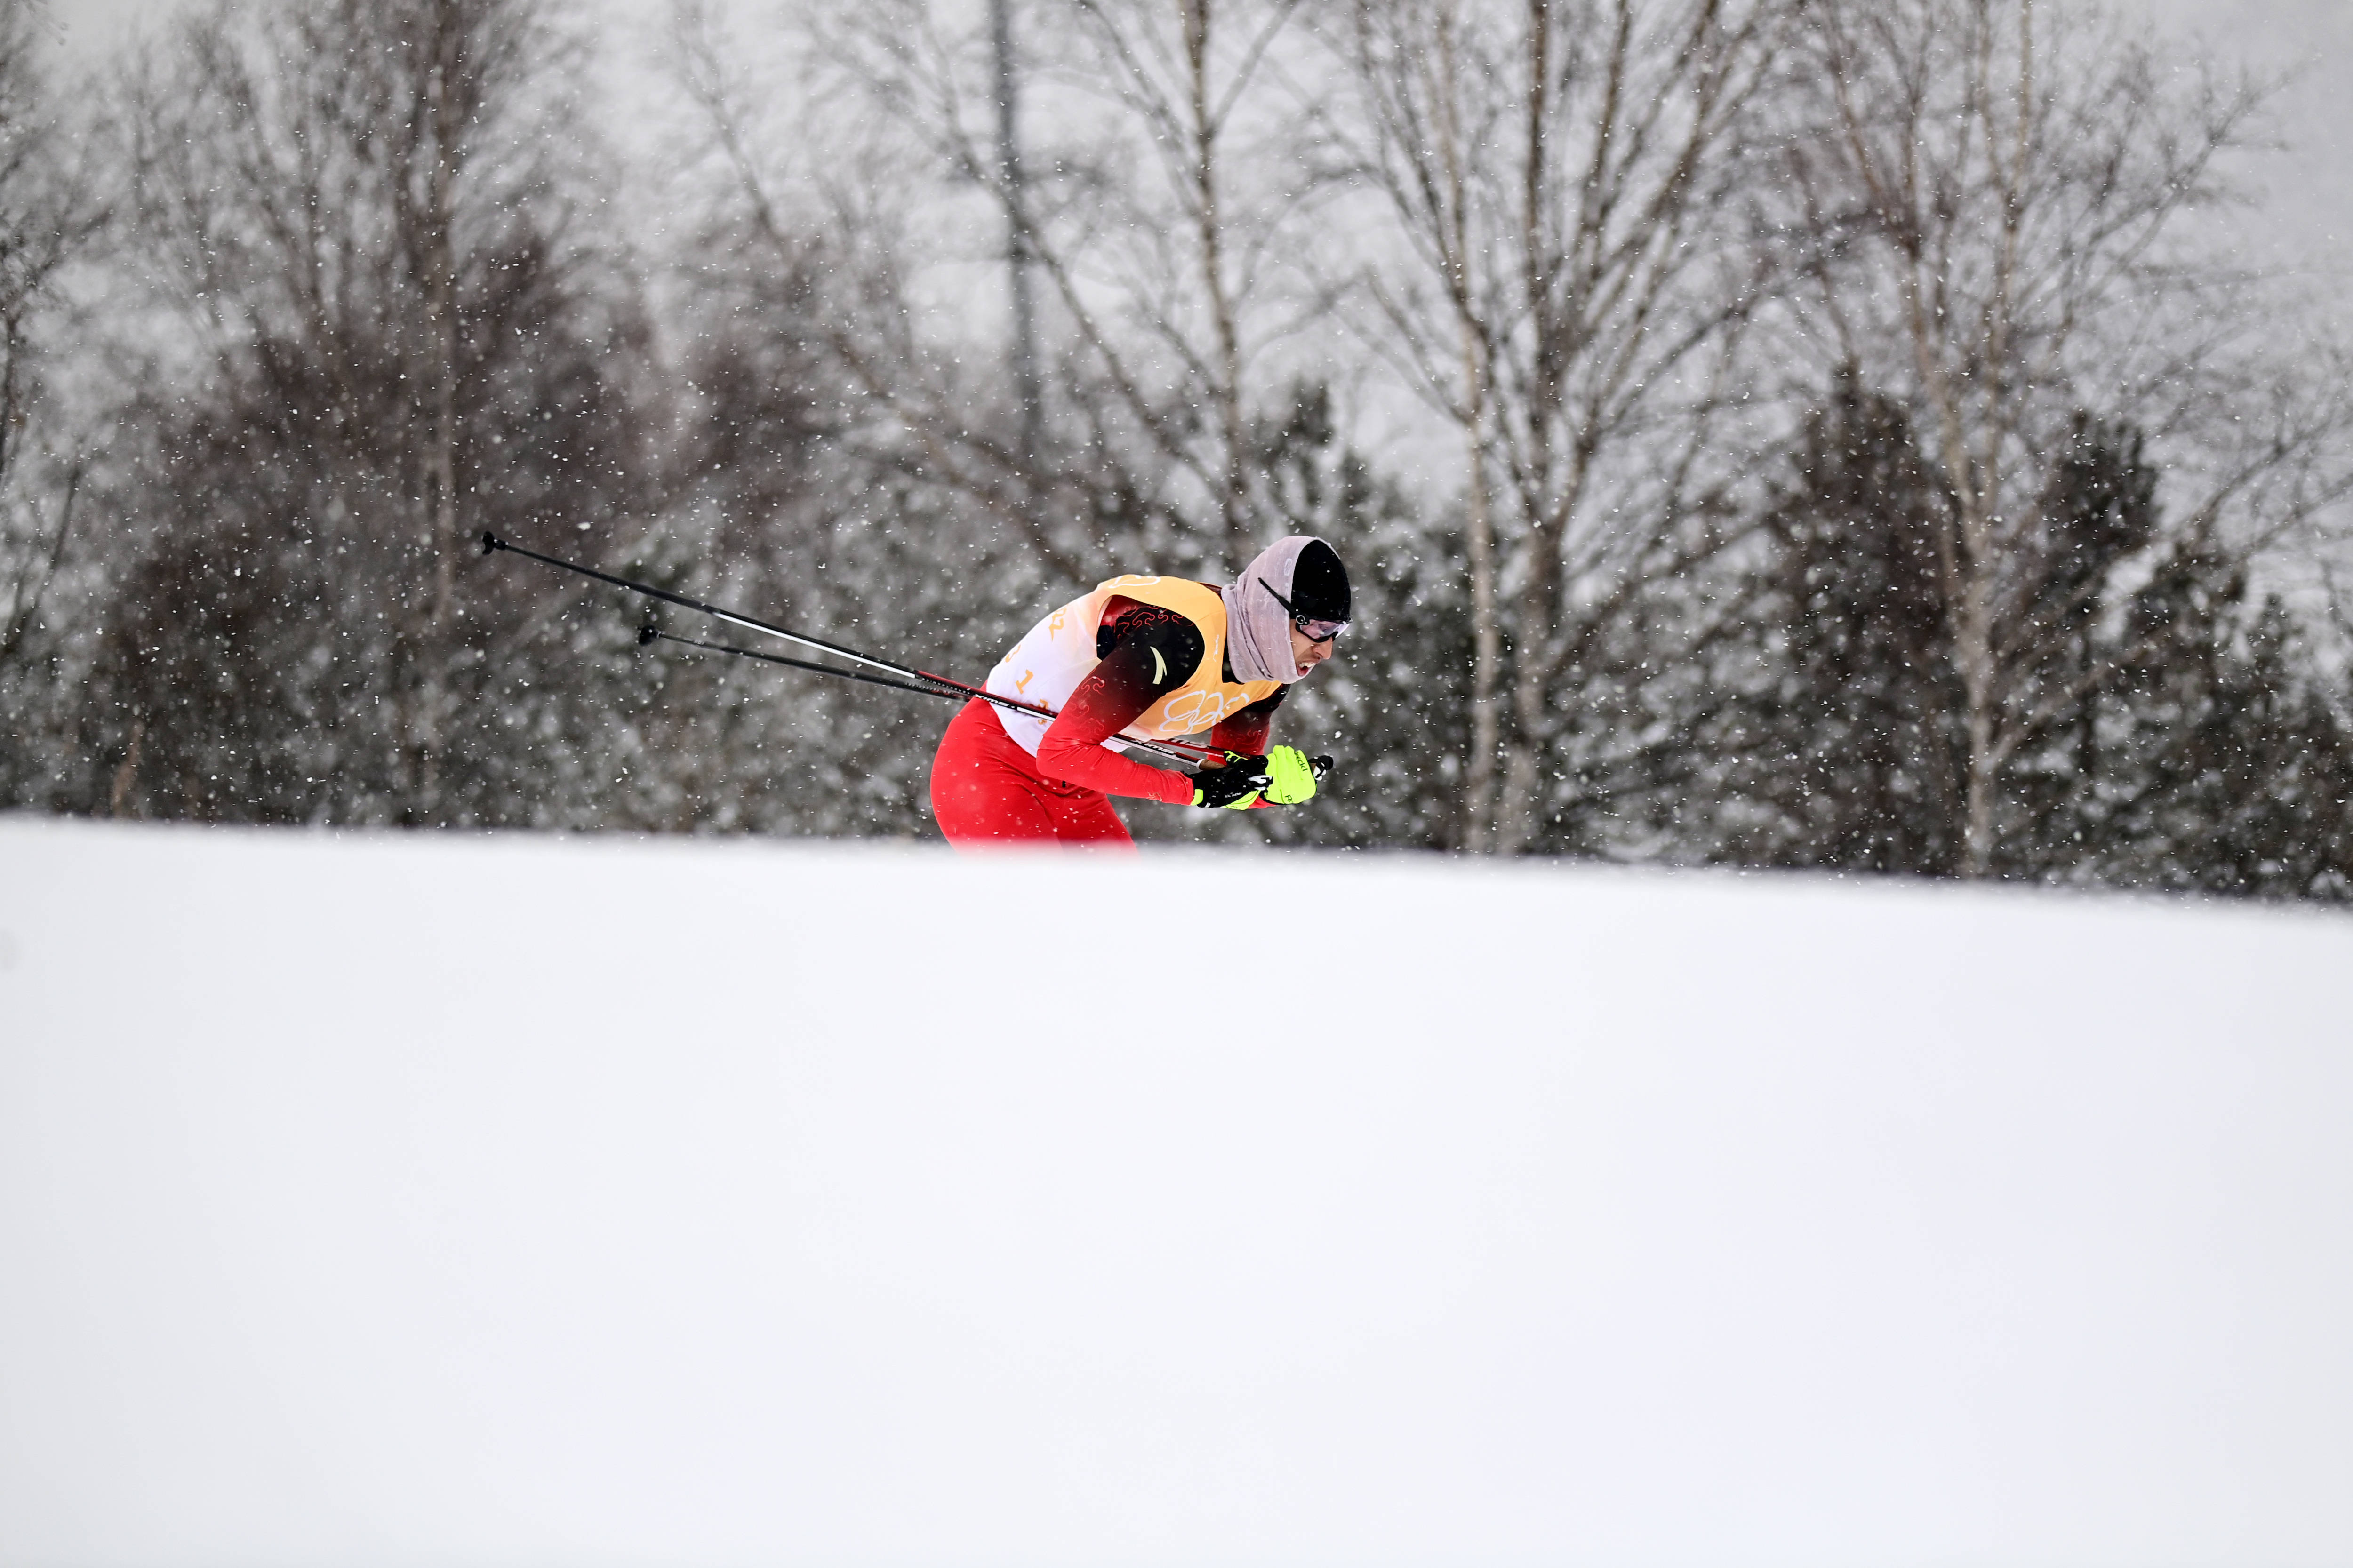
(1765, 433)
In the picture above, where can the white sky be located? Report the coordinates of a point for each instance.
(2307, 220)
(2304, 221)
(2310, 205)
(2314, 34)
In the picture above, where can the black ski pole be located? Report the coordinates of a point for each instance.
(942, 686)
(493, 543)
(653, 634)
(650, 633)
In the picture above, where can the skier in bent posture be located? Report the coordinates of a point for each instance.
(1150, 657)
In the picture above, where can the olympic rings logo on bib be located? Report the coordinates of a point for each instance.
(1200, 710)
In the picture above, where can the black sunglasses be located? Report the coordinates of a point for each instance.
(1313, 630)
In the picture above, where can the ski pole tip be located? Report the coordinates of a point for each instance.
(647, 633)
(491, 543)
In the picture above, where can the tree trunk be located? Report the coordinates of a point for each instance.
(1486, 636)
(1233, 499)
(441, 346)
(1014, 180)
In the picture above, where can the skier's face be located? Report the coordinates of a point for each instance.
(1306, 654)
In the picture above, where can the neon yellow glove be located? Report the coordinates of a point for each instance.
(1284, 776)
(1290, 777)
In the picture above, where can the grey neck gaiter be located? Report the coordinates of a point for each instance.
(1258, 628)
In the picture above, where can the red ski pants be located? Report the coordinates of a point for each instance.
(986, 791)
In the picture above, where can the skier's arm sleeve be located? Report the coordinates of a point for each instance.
(1247, 730)
(1142, 668)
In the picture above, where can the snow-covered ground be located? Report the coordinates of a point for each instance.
(418, 1200)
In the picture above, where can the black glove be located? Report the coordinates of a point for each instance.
(1233, 786)
(1286, 776)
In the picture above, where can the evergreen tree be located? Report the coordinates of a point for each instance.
(1846, 750)
(406, 341)
(2182, 747)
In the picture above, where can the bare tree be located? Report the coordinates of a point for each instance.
(1573, 274)
(48, 214)
(1176, 73)
(379, 333)
(1163, 211)
(2009, 183)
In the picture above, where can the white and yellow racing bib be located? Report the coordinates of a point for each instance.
(1047, 664)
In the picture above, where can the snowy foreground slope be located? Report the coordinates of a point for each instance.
(414, 1200)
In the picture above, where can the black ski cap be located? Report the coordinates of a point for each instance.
(1319, 583)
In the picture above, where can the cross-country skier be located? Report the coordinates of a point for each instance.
(1153, 658)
